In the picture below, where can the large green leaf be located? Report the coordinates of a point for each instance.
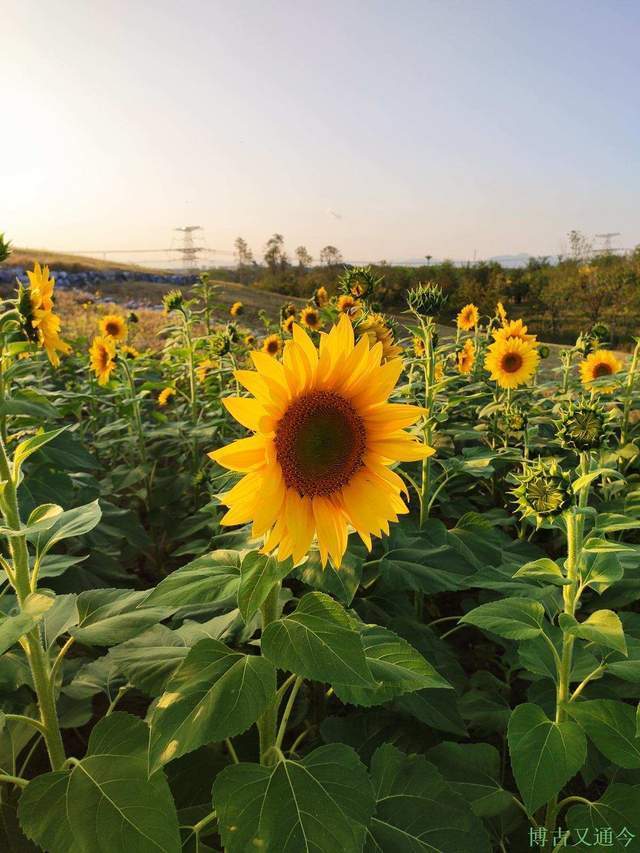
(320, 641)
(437, 709)
(110, 616)
(258, 575)
(417, 811)
(544, 754)
(107, 803)
(473, 771)
(617, 809)
(611, 725)
(513, 618)
(73, 522)
(149, 660)
(216, 693)
(394, 664)
(322, 804)
(212, 578)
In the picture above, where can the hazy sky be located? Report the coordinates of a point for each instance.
(389, 129)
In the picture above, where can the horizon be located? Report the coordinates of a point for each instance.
(457, 130)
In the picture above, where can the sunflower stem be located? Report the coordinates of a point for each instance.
(32, 644)
(268, 722)
(628, 393)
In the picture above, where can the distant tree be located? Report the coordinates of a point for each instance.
(580, 247)
(275, 256)
(243, 252)
(304, 258)
(330, 256)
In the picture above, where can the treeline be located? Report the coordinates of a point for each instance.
(558, 298)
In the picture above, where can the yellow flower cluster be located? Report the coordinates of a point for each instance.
(44, 322)
(512, 358)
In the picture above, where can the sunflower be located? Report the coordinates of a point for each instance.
(466, 357)
(321, 297)
(468, 318)
(249, 340)
(129, 352)
(349, 306)
(501, 312)
(514, 329)
(324, 438)
(272, 345)
(602, 362)
(375, 327)
(310, 318)
(113, 326)
(438, 374)
(236, 309)
(418, 347)
(205, 367)
(511, 362)
(102, 354)
(287, 325)
(42, 325)
(165, 395)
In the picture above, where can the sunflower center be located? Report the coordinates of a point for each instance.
(320, 443)
(272, 347)
(512, 362)
(602, 369)
(112, 329)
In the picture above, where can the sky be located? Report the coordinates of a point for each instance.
(392, 130)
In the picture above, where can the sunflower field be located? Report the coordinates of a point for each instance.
(340, 583)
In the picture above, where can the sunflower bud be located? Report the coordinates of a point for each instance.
(5, 248)
(173, 301)
(544, 351)
(359, 282)
(427, 299)
(600, 332)
(582, 426)
(287, 310)
(543, 491)
(133, 317)
(232, 333)
(220, 344)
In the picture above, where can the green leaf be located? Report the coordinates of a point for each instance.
(24, 450)
(586, 479)
(42, 812)
(149, 660)
(617, 809)
(603, 627)
(602, 570)
(320, 641)
(603, 546)
(395, 664)
(73, 522)
(543, 569)
(435, 708)
(417, 811)
(545, 755)
(107, 802)
(258, 576)
(322, 803)
(341, 583)
(111, 616)
(611, 725)
(473, 771)
(513, 618)
(627, 668)
(13, 627)
(216, 693)
(212, 578)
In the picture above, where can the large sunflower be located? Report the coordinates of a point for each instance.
(511, 362)
(602, 362)
(102, 353)
(236, 309)
(468, 317)
(113, 326)
(324, 438)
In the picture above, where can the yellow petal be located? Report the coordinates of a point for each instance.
(241, 455)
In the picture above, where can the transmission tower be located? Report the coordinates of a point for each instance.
(606, 240)
(189, 251)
